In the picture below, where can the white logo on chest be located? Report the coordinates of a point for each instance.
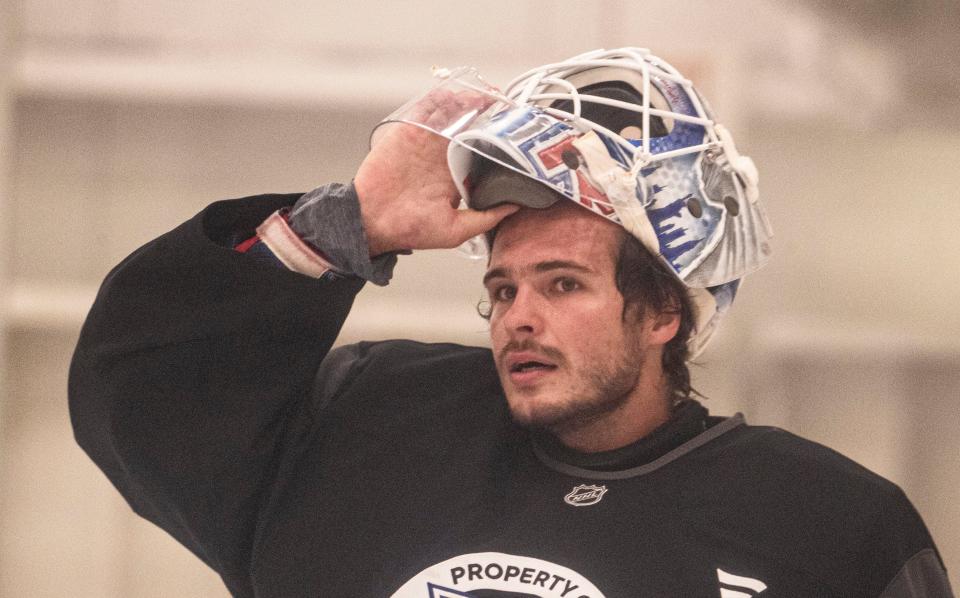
(738, 586)
(584, 495)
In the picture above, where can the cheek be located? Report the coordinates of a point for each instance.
(604, 334)
(599, 317)
(498, 336)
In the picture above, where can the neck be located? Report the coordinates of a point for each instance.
(645, 409)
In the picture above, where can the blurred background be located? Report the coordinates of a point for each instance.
(119, 119)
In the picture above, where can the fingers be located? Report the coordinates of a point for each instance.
(441, 107)
(425, 107)
(470, 223)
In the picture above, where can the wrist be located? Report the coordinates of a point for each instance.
(329, 219)
(372, 221)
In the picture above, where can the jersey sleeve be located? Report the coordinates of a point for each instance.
(189, 383)
(922, 576)
(904, 543)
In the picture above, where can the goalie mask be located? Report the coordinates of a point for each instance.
(623, 134)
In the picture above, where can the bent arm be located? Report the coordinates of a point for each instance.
(188, 380)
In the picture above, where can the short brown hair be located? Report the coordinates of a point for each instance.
(645, 282)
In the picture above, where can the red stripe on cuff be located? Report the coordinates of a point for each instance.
(246, 245)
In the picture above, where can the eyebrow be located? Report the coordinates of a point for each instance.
(539, 267)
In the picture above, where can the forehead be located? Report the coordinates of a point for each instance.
(563, 231)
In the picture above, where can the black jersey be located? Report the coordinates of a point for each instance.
(204, 387)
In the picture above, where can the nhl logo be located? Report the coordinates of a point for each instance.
(584, 495)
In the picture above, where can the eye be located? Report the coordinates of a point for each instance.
(502, 293)
(565, 285)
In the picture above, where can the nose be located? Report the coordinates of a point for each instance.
(524, 315)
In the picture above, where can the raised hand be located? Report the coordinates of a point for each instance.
(408, 199)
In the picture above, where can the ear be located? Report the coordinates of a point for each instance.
(664, 326)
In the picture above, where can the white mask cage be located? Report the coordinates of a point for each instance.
(670, 175)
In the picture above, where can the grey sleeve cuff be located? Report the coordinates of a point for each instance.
(328, 218)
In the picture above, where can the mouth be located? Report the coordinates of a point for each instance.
(530, 366)
(527, 369)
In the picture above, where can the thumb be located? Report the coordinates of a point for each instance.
(470, 223)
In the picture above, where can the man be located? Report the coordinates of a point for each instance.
(568, 461)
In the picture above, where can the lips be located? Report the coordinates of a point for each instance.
(526, 368)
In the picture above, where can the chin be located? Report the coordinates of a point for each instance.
(534, 412)
(530, 412)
